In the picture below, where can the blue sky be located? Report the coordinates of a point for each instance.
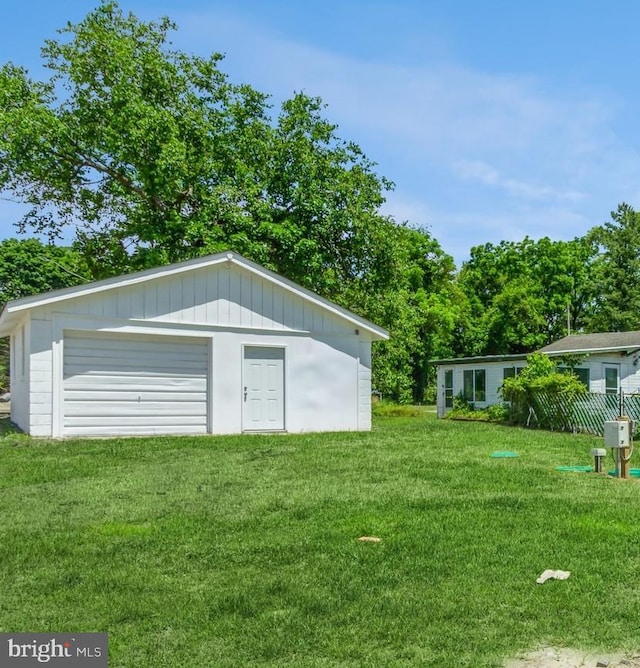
(495, 119)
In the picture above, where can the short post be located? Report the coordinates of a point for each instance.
(598, 455)
(624, 451)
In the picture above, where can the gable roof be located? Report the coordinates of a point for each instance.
(607, 342)
(15, 310)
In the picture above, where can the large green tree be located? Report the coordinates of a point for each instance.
(521, 293)
(152, 156)
(616, 272)
(421, 306)
(29, 267)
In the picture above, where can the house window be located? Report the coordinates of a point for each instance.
(511, 372)
(583, 374)
(611, 379)
(475, 385)
(448, 388)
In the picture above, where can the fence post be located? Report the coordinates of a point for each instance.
(621, 404)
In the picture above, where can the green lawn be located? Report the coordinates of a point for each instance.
(243, 551)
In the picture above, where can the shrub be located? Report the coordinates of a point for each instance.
(464, 410)
(498, 412)
(384, 408)
(539, 376)
(430, 396)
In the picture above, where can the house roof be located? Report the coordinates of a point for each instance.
(607, 342)
(15, 310)
(576, 344)
(481, 359)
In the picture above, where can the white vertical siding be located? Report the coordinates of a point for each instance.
(31, 380)
(440, 408)
(326, 387)
(494, 377)
(323, 384)
(327, 382)
(633, 379)
(220, 296)
(629, 374)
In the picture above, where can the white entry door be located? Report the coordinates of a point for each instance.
(263, 389)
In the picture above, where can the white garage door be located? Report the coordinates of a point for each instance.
(116, 384)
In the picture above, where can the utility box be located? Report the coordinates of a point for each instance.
(616, 433)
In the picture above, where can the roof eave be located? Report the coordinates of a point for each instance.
(515, 357)
(588, 351)
(9, 321)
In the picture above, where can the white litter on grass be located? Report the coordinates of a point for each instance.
(552, 575)
(370, 539)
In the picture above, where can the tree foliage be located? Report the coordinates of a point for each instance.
(153, 156)
(158, 157)
(29, 267)
(616, 272)
(421, 307)
(520, 292)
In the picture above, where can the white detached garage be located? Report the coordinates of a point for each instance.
(213, 345)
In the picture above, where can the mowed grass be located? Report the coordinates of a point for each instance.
(243, 551)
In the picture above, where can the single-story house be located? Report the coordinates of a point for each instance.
(216, 345)
(607, 364)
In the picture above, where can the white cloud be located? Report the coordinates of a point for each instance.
(458, 229)
(476, 170)
(439, 108)
(446, 130)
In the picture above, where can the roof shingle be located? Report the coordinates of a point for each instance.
(587, 343)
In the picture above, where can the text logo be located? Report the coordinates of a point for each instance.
(77, 650)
